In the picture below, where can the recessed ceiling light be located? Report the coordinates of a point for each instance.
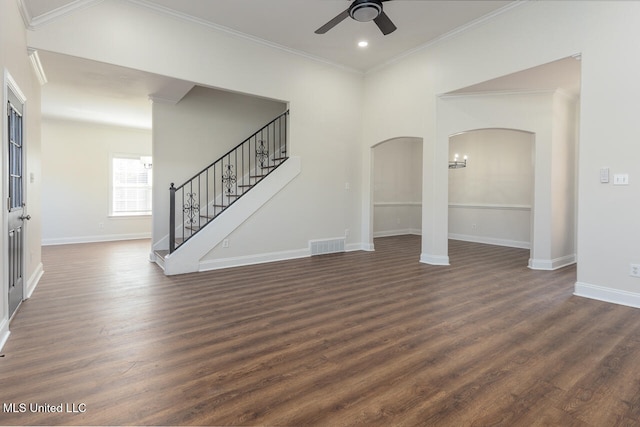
(363, 43)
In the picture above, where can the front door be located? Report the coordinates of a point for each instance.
(15, 203)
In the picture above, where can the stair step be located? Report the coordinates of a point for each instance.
(194, 228)
(162, 253)
(233, 195)
(269, 167)
(245, 185)
(257, 176)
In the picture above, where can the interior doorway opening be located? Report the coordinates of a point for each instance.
(397, 187)
(491, 187)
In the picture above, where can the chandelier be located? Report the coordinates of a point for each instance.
(456, 163)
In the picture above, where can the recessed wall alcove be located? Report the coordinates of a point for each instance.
(397, 187)
(490, 199)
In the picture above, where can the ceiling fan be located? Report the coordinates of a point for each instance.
(363, 11)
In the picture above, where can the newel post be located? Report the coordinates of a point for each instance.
(172, 218)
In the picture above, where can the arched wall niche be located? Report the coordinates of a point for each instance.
(396, 187)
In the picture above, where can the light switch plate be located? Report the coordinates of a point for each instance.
(621, 179)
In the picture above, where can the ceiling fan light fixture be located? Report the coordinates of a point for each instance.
(366, 10)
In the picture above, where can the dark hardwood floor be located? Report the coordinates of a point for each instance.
(347, 339)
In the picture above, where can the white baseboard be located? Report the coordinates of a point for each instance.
(33, 281)
(553, 264)
(401, 232)
(4, 332)
(600, 293)
(216, 264)
(350, 247)
(490, 241)
(434, 259)
(94, 239)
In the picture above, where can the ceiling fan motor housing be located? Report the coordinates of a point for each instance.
(365, 10)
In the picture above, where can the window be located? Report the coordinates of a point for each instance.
(130, 186)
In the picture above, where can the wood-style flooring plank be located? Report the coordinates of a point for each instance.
(360, 338)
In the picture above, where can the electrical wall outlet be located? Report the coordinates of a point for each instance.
(225, 243)
(634, 270)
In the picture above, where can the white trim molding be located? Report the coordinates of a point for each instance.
(95, 239)
(34, 22)
(434, 259)
(4, 332)
(33, 281)
(388, 204)
(216, 264)
(600, 293)
(490, 241)
(38, 69)
(400, 232)
(502, 207)
(553, 264)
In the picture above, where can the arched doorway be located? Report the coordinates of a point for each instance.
(491, 191)
(397, 187)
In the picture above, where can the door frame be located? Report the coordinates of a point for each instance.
(9, 84)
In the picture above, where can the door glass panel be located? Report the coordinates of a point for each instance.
(15, 159)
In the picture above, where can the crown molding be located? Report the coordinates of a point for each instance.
(497, 93)
(189, 18)
(514, 92)
(25, 14)
(35, 22)
(37, 66)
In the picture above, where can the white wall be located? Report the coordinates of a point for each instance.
(14, 60)
(397, 187)
(76, 180)
(192, 134)
(490, 200)
(531, 34)
(325, 103)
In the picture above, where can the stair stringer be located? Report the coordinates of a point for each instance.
(186, 259)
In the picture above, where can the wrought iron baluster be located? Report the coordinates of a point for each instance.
(228, 179)
(262, 154)
(191, 209)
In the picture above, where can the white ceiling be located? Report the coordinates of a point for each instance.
(94, 91)
(291, 23)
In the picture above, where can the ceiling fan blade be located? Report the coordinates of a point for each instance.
(384, 23)
(335, 21)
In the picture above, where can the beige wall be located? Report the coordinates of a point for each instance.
(76, 179)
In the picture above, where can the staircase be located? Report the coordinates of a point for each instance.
(196, 203)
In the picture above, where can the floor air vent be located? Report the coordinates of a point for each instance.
(331, 246)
